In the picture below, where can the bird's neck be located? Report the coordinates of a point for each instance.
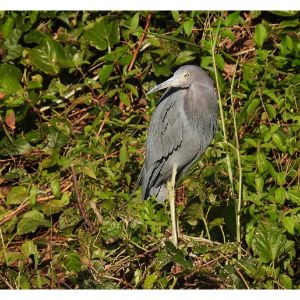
(200, 104)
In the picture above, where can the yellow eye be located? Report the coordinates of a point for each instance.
(186, 75)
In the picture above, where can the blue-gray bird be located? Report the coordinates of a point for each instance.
(181, 128)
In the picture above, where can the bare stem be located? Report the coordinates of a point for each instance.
(221, 105)
(238, 202)
(171, 192)
(4, 248)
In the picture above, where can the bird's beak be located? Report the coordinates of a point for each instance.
(172, 82)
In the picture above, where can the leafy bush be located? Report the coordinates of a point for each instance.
(74, 115)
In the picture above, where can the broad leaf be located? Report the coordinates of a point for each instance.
(260, 35)
(48, 56)
(232, 19)
(294, 196)
(17, 195)
(149, 281)
(123, 156)
(10, 77)
(12, 45)
(268, 241)
(104, 34)
(72, 262)
(16, 147)
(134, 22)
(188, 27)
(30, 221)
(105, 72)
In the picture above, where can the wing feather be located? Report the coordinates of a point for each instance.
(164, 139)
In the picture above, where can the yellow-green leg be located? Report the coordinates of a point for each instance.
(171, 194)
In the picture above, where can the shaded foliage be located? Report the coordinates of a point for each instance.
(74, 115)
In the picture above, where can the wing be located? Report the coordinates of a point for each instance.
(165, 137)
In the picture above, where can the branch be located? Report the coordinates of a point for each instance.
(140, 43)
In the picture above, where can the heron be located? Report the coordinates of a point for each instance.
(181, 128)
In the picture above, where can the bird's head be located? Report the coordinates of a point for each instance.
(184, 77)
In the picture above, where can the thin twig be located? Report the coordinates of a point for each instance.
(9, 216)
(242, 278)
(238, 203)
(122, 262)
(97, 212)
(199, 239)
(220, 104)
(106, 115)
(139, 43)
(4, 248)
(83, 214)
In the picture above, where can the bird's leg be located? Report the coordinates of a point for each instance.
(171, 194)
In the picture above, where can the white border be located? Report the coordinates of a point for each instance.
(149, 5)
(151, 294)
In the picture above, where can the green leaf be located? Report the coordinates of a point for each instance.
(232, 19)
(132, 89)
(56, 139)
(7, 26)
(188, 27)
(34, 36)
(123, 156)
(72, 262)
(104, 34)
(124, 98)
(54, 206)
(178, 255)
(29, 248)
(32, 195)
(18, 147)
(89, 171)
(10, 77)
(12, 257)
(134, 22)
(12, 45)
(280, 178)
(105, 72)
(271, 110)
(30, 221)
(68, 218)
(286, 45)
(184, 57)
(17, 195)
(252, 106)
(175, 15)
(220, 61)
(294, 196)
(55, 187)
(149, 281)
(289, 223)
(228, 33)
(286, 281)
(280, 195)
(261, 162)
(259, 184)
(278, 141)
(48, 56)
(268, 241)
(260, 35)
(163, 257)
(289, 23)
(95, 38)
(284, 13)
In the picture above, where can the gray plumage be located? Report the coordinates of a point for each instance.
(181, 128)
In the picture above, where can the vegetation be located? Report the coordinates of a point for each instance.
(74, 116)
